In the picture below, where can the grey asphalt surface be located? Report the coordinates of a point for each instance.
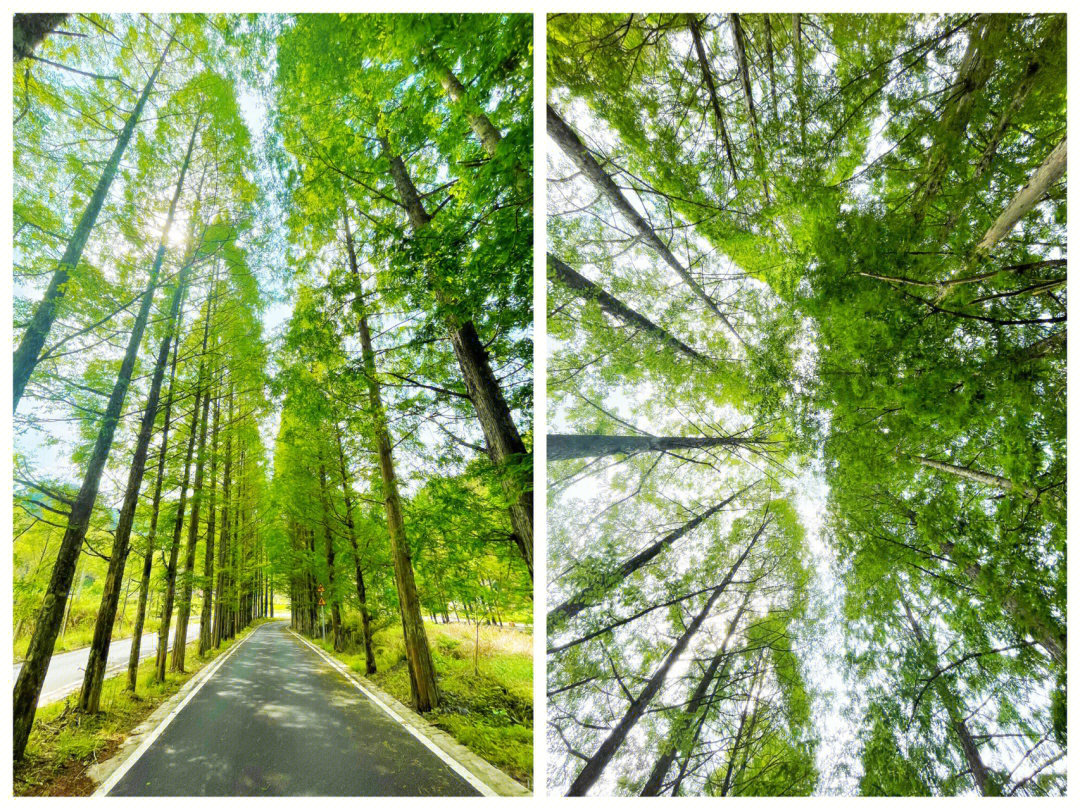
(278, 720)
(66, 670)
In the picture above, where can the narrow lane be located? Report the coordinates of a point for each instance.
(277, 720)
(66, 670)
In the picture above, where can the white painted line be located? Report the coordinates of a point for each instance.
(205, 676)
(455, 766)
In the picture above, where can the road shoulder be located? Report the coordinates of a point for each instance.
(475, 769)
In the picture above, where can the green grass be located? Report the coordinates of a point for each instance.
(65, 742)
(486, 699)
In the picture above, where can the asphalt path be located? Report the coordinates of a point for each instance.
(65, 674)
(277, 720)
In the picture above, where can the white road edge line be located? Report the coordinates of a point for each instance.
(455, 766)
(119, 773)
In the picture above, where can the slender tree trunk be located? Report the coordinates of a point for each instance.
(33, 339)
(563, 446)
(29, 29)
(361, 591)
(504, 443)
(151, 537)
(583, 598)
(187, 583)
(94, 675)
(979, 477)
(206, 618)
(796, 28)
(617, 309)
(595, 765)
(739, 43)
(710, 84)
(425, 693)
(331, 591)
(968, 746)
(32, 675)
(578, 153)
(224, 544)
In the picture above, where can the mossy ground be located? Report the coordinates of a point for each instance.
(486, 691)
(64, 742)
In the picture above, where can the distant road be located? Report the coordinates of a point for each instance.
(66, 669)
(277, 720)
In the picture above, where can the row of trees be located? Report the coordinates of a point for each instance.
(402, 482)
(133, 201)
(810, 245)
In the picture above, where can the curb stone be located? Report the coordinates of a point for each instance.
(499, 781)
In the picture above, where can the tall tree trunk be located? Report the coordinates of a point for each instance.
(588, 775)
(151, 537)
(361, 591)
(425, 693)
(796, 35)
(562, 446)
(581, 600)
(710, 84)
(94, 675)
(29, 29)
(968, 746)
(739, 43)
(187, 582)
(206, 631)
(617, 309)
(979, 477)
(331, 591)
(224, 543)
(578, 153)
(484, 130)
(26, 356)
(32, 675)
(504, 443)
(686, 719)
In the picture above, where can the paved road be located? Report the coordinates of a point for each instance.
(278, 720)
(66, 670)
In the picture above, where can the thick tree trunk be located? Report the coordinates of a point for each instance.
(26, 356)
(187, 583)
(361, 591)
(579, 154)
(94, 675)
(689, 715)
(710, 84)
(617, 309)
(32, 675)
(29, 29)
(582, 599)
(562, 446)
(504, 443)
(151, 537)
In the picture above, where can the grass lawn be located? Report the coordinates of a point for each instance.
(487, 702)
(64, 742)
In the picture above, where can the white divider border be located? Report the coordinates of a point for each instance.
(455, 766)
(201, 679)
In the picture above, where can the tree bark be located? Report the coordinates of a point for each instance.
(504, 443)
(580, 600)
(979, 477)
(224, 543)
(206, 631)
(710, 84)
(29, 29)
(331, 592)
(563, 446)
(26, 356)
(32, 675)
(94, 675)
(599, 760)
(578, 153)
(361, 591)
(739, 43)
(617, 309)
